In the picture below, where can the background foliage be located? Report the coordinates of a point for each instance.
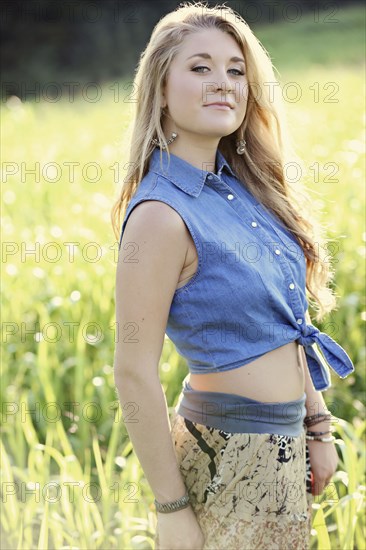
(78, 41)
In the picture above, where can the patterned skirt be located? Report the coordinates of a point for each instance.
(248, 490)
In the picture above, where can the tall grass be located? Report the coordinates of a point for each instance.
(69, 476)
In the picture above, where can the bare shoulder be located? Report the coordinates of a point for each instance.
(158, 212)
(159, 223)
(151, 258)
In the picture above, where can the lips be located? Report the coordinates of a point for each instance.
(220, 103)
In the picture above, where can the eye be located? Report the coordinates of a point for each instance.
(238, 72)
(200, 67)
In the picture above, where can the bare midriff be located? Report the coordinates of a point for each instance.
(278, 375)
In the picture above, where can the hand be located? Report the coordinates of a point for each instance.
(179, 530)
(323, 463)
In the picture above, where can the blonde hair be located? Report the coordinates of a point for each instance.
(268, 152)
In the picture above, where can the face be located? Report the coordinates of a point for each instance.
(194, 82)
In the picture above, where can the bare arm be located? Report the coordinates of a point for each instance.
(323, 456)
(151, 259)
(314, 399)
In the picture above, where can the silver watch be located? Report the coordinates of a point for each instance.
(178, 504)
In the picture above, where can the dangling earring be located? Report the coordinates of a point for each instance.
(170, 140)
(240, 146)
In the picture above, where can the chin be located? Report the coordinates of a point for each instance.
(219, 132)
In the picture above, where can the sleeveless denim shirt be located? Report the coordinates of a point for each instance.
(247, 296)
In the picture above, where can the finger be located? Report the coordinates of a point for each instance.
(318, 487)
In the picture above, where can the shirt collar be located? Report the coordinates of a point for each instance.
(183, 174)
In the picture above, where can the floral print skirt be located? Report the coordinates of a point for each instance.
(248, 490)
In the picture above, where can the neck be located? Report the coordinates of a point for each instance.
(200, 156)
(198, 150)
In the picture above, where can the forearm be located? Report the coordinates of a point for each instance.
(149, 431)
(314, 399)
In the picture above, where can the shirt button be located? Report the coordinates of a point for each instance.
(254, 224)
(292, 286)
(209, 177)
(277, 251)
(230, 197)
(299, 321)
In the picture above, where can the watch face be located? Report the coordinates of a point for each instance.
(309, 473)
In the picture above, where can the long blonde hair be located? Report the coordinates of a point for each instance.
(268, 153)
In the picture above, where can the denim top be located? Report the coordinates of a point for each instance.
(247, 296)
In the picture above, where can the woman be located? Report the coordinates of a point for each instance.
(216, 254)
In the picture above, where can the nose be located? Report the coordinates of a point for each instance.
(223, 81)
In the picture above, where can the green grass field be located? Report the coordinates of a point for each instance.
(70, 478)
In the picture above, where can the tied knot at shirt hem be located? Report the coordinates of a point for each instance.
(332, 356)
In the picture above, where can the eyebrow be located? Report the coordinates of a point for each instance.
(207, 56)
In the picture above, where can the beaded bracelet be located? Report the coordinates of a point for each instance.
(318, 433)
(309, 419)
(312, 416)
(323, 439)
(174, 506)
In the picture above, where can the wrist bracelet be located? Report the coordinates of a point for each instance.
(313, 424)
(322, 416)
(168, 507)
(311, 416)
(310, 421)
(309, 432)
(323, 439)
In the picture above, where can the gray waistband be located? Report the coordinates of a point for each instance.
(237, 414)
